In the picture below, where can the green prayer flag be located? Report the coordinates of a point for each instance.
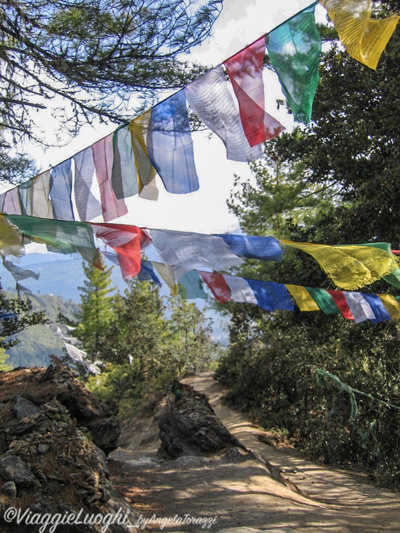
(190, 286)
(324, 300)
(66, 237)
(294, 48)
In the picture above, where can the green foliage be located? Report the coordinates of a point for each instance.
(95, 313)
(193, 348)
(143, 347)
(93, 54)
(334, 181)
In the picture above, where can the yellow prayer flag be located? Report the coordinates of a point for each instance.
(350, 267)
(10, 238)
(364, 38)
(302, 297)
(145, 170)
(167, 275)
(391, 304)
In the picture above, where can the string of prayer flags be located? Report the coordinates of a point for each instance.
(363, 37)
(294, 49)
(60, 193)
(245, 72)
(103, 158)
(170, 145)
(124, 178)
(302, 298)
(352, 266)
(265, 248)
(212, 102)
(146, 173)
(65, 237)
(217, 284)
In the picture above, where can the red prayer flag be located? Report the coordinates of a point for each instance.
(340, 301)
(245, 72)
(127, 241)
(217, 284)
(103, 156)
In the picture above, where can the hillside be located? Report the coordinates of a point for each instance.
(37, 343)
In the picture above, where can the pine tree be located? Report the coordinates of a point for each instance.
(96, 312)
(193, 346)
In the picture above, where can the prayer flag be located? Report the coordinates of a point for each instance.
(351, 266)
(167, 275)
(266, 248)
(364, 38)
(190, 286)
(61, 191)
(294, 49)
(65, 236)
(124, 178)
(145, 170)
(103, 155)
(147, 273)
(302, 297)
(240, 290)
(127, 241)
(391, 304)
(262, 294)
(87, 205)
(170, 145)
(211, 100)
(245, 72)
(341, 302)
(359, 307)
(183, 251)
(217, 285)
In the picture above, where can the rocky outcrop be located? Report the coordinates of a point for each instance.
(48, 462)
(36, 386)
(190, 426)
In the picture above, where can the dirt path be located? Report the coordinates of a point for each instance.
(247, 496)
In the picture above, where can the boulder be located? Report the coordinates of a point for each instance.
(23, 408)
(12, 468)
(190, 426)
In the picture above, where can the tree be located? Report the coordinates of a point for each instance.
(96, 312)
(352, 142)
(93, 54)
(192, 344)
(140, 331)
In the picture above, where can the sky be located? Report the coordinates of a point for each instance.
(204, 211)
